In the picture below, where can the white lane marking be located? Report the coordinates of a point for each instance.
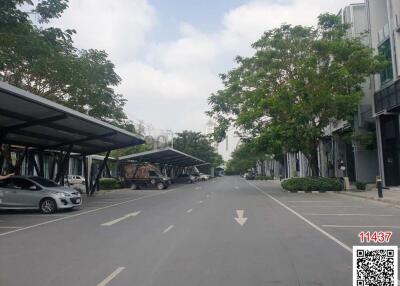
(111, 276)
(240, 219)
(326, 206)
(189, 210)
(345, 246)
(315, 201)
(361, 226)
(168, 228)
(35, 215)
(200, 202)
(373, 215)
(17, 227)
(121, 218)
(87, 212)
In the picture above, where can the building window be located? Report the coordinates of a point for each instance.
(385, 50)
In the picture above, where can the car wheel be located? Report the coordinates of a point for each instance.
(160, 186)
(48, 206)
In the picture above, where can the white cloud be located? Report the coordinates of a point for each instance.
(119, 27)
(191, 51)
(167, 83)
(246, 23)
(171, 84)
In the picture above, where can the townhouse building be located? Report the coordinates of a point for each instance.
(384, 26)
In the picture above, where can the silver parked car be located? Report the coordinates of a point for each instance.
(19, 192)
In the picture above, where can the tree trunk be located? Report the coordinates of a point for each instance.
(313, 159)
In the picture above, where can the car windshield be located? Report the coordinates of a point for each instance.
(44, 182)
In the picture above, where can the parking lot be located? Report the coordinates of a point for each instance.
(16, 220)
(344, 217)
(238, 232)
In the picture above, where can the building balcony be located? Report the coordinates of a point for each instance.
(388, 99)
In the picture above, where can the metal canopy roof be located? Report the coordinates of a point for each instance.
(167, 156)
(33, 121)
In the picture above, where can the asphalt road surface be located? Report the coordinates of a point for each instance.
(225, 232)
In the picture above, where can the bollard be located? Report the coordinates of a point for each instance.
(379, 187)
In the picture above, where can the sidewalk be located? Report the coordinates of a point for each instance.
(389, 196)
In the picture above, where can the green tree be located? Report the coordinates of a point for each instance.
(299, 79)
(197, 145)
(244, 157)
(45, 62)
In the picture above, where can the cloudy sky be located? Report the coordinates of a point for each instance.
(169, 52)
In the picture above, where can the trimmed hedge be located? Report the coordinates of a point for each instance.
(109, 183)
(361, 186)
(263, 178)
(309, 184)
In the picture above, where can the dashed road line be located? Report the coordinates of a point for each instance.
(168, 228)
(189, 211)
(111, 276)
(87, 212)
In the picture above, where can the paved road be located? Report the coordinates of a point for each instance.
(193, 235)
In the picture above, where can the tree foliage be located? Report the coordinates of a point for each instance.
(45, 62)
(244, 157)
(197, 145)
(299, 79)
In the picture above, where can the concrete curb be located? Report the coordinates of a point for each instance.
(372, 198)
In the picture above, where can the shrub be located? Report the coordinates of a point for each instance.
(109, 183)
(361, 185)
(263, 178)
(309, 184)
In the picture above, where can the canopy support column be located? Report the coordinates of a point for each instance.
(52, 166)
(41, 163)
(100, 171)
(85, 173)
(20, 160)
(63, 166)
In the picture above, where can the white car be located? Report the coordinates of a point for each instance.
(75, 179)
(20, 192)
(204, 177)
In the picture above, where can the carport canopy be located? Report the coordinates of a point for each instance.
(166, 156)
(32, 121)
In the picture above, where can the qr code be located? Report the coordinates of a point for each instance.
(375, 266)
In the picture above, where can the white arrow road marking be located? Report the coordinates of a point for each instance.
(111, 276)
(240, 219)
(120, 219)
